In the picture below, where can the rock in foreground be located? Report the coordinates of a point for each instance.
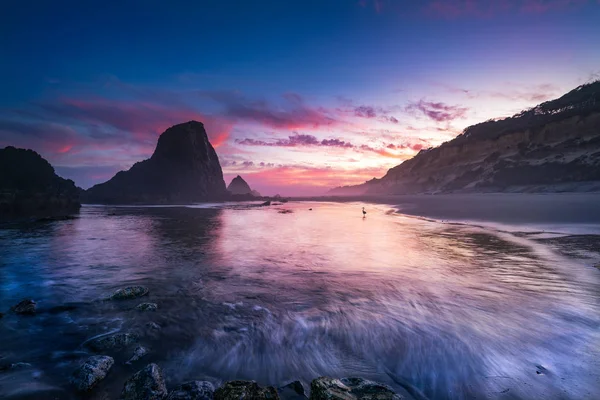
(26, 307)
(195, 390)
(138, 353)
(292, 391)
(115, 341)
(242, 390)
(130, 292)
(92, 371)
(325, 388)
(147, 384)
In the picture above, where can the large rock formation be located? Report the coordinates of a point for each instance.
(184, 168)
(554, 146)
(29, 185)
(239, 186)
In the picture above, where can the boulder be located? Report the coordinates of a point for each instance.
(92, 371)
(195, 390)
(292, 391)
(146, 384)
(25, 307)
(138, 353)
(147, 307)
(326, 388)
(130, 292)
(241, 390)
(114, 341)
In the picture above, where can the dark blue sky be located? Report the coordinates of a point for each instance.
(90, 85)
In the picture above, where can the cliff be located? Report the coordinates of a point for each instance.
(29, 186)
(184, 168)
(554, 146)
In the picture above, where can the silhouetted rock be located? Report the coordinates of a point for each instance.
(130, 292)
(326, 388)
(92, 371)
(238, 390)
(255, 193)
(184, 168)
(195, 390)
(26, 307)
(147, 307)
(266, 203)
(114, 341)
(239, 186)
(553, 147)
(146, 384)
(29, 186)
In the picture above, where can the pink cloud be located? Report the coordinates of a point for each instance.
(437, 111)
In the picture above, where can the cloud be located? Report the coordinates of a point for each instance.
(291, 114)
(529, 93)
(365, 112)
(296, 140)
(439, 112)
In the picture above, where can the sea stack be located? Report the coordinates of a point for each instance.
(29, 186)
(184, 168)
(239, 186)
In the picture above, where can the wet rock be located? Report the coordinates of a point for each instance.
(369, 390)
(266, 203)
(325, 388)
(147, 307)
(1, 315)
(138, 353)
(92, 371)
(285, 211)
(25, 307)
(195, 390)
(238, 390)
(293, 390)
(114, 341)
(146, 384)
(130, 292)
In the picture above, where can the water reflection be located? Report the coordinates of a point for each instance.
(454, 311)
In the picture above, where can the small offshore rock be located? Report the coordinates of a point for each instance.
(26, 307)
(114, 341)
(92, 371)
(138, 353)
(146, 384)
(266, 203)
(293, 390)
(130, 292)
(239, 390)
(195, 390)
(147, 307)
(326, 388)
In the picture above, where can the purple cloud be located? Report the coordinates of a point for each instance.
(439, 112)
(365, 112)
(296, 140)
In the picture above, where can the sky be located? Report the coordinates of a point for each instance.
(297, 96)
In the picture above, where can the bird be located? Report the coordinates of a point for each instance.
(364, 212)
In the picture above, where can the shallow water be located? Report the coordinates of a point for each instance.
(451, 311)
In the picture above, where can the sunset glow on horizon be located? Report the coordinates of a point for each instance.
(296, 97)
